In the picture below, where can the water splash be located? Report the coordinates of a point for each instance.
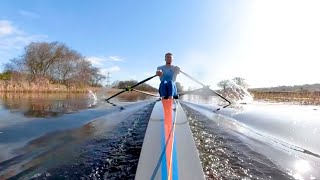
(102, 92)
(93, 99)
(237, 94)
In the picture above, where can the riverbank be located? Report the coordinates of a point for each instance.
(299, 97)
(32, 87)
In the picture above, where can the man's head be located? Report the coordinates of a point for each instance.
(168, 58)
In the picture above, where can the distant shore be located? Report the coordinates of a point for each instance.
(299, 97)
(24, 87)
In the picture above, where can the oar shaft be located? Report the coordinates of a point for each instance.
(205, 86)
(129, 88)
(189, 92)
(192, 78)
(116, 95)
(143, 81)
(221, 96)
(150, 94)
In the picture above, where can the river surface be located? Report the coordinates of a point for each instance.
(80, 136)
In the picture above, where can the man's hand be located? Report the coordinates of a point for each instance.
(159, 73)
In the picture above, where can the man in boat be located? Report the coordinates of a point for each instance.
(168, 74)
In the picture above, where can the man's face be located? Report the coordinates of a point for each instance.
(168, 59)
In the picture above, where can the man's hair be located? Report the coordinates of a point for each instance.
(168, 54)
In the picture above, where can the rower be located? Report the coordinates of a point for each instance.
(168, 74)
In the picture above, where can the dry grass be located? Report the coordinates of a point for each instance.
(114, 90)
(26, 87)
(41, 96)
(306, 98)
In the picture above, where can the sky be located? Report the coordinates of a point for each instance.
(268, 43)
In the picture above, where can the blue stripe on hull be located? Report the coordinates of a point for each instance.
(175, 172)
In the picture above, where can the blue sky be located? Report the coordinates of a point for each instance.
(268, 43)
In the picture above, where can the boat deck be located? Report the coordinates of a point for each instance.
(153, 161)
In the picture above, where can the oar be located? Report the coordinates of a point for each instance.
(208, 88)
(129, 88)
(121, 108)
(189, 92)
(143, 92)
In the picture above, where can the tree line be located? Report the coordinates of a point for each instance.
(130, 83)
(142, 87)
(54, 62)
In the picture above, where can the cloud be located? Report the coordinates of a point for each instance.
(13, 40)
(18, 42)
(115, 58)
(28, 14)
(111, 69)
(106, 64)
(6, 28)
(102, 60)
(96, 61)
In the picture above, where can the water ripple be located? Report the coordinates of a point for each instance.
(224, 156)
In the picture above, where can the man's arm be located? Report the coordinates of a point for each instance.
(176, 69)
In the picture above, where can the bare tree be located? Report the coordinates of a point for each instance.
(241, 82)
(57, 63)
(224, 84)
(15, 64)
(39, 57)
(64, 69)
(96, 77)
(82, 74)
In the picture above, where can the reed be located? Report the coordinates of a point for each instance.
(33, 87)
(299, 97)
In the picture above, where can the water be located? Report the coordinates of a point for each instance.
(255, 140)
(270, 141)
(68, 135)
(225, 156)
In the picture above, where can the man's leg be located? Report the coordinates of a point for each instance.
(163, 90)
(171, 90)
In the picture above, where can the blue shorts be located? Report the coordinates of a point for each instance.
(167, 89)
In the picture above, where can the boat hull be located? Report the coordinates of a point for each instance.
(169, 150)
